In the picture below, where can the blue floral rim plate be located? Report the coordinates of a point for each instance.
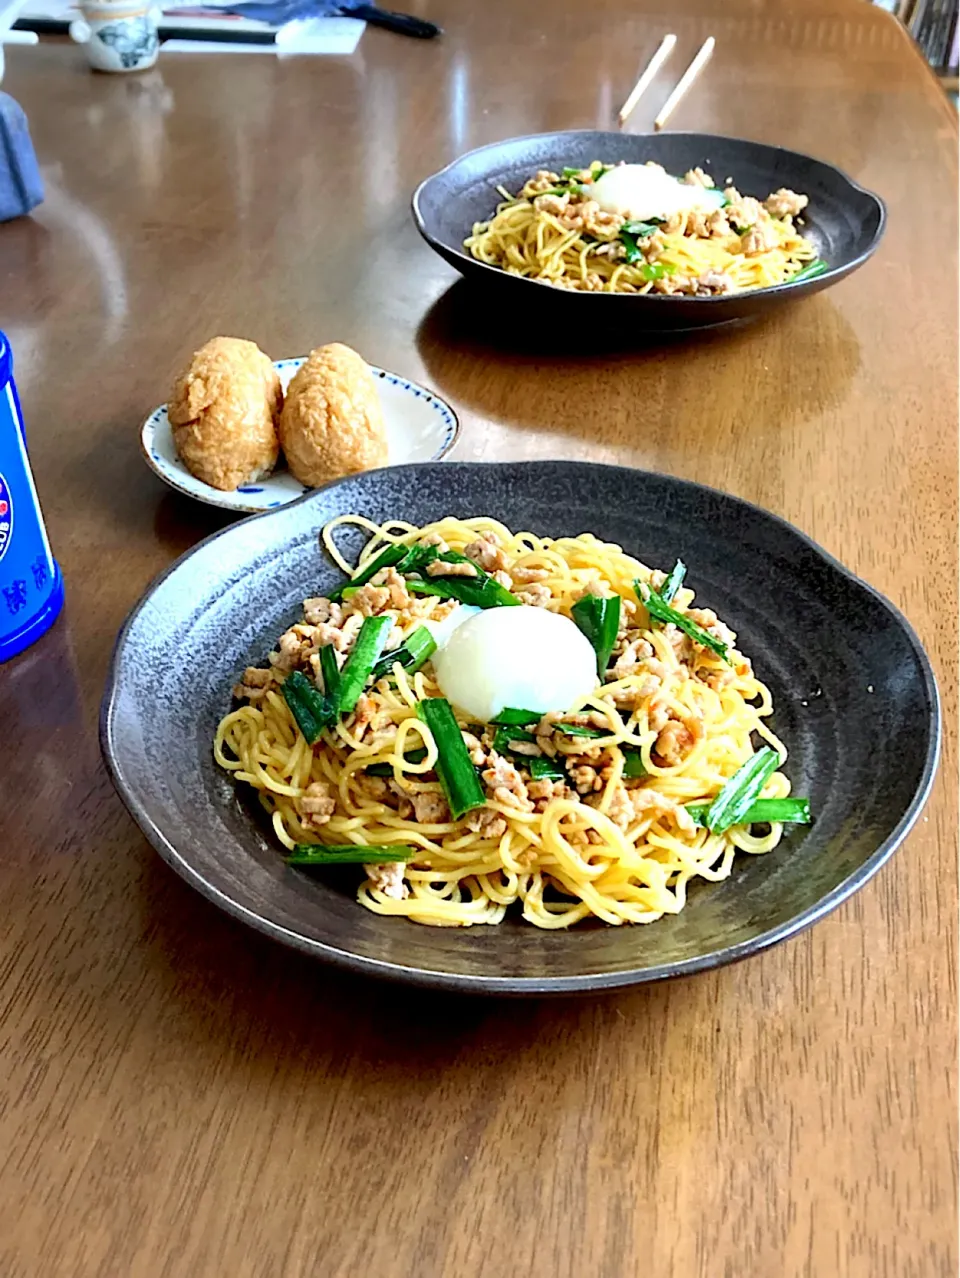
(421, 427)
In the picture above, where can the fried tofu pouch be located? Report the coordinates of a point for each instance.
(223, 412)
(332, 422)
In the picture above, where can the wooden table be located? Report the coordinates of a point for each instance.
(180, 1098)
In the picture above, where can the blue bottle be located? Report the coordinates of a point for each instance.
(31, 587)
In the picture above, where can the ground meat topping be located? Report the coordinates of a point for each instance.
(433, 539)
(318, 611)
(545, 790)
(522, 575)
(541, 181)
(785, 203)
(759, 239)
(718, 226)
(585, 778)
(347, 634)
(743, 211)
(630, 698)
(505, 783)
(389, 578)
(316, 805)
(536, 595)
(487, 552)
(710, 622)
(658, 713)
(403, 805)
(632, 658)
(486, 822)
(629, 806)
(388, 879)
(370, 725)
(716, 282)
(576, 211)
(440, 568)
(254, 685)
(370, 600)
(552, 204)
(673, 742)
(478, 755)
(430, 808)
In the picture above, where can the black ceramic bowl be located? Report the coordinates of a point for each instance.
(844, 221)
(855, 703)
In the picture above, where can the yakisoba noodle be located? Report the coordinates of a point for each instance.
(555, 237)
(622, 853)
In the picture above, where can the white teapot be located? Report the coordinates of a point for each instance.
(120, 35)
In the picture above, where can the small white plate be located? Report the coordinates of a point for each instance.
(420, 427)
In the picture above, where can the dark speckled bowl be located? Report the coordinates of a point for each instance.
(843, 220)
(855, 698)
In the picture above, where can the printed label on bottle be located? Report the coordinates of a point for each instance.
(6, 516)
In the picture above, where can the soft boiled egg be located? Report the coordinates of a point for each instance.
(642, 192)
(523, 657)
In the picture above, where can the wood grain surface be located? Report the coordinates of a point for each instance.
(180, 1098)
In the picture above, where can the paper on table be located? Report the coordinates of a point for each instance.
(336, 36)
(215, 46)
(320, 35)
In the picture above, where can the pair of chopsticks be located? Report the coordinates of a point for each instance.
(654, 65)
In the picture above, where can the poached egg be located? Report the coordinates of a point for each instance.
(641, 192)
(523, 657)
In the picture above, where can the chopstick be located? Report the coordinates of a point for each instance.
(652, 67)
(686, 80)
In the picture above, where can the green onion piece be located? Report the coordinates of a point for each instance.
(762, 812)
(504, 737)
(641, 229)
(668, 590)
(657, 270)
(349, 853)
(356, 671)
(310, 708)
(417, 558)
(458, 557)
(418, 647)
(512, 718)
(331, 673)
(403, 558)
(570, 173)
(633, 764)
(576, 730)
(663, 612)
(482, 594)
(389, 557)
(632, 251)
(386, 769)
(789, 811)
(458, 777)
(809, 272)
(542, 769)
(305, 719)
(744, 787)
(599, 619)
